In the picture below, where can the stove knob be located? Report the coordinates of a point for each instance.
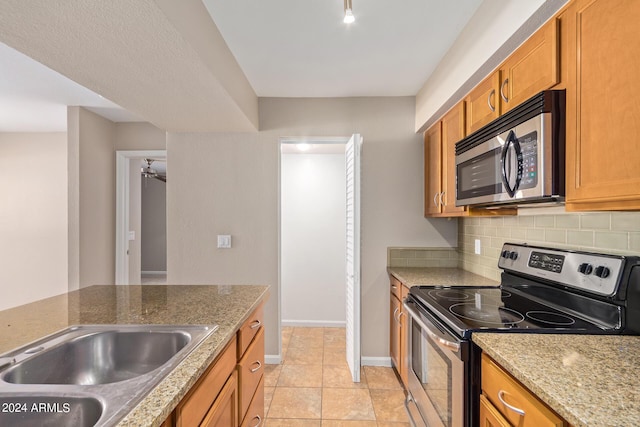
(513, 255)
(585, 268)
(505, 254)
(602, 272)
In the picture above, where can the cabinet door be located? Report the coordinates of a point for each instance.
(489, 416)
(516, 404)
(532, 68)
(483, 103)
(603, 113)
(224, 412)
(250, 372)
(394, 331)
(453, 130)
(432, 169)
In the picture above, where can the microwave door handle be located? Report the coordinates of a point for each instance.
(511, 140)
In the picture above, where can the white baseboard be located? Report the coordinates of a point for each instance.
(272, 359)
(315, 323)
(376, 361)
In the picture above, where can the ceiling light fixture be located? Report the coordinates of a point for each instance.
(348, 12)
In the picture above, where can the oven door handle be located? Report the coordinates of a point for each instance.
(442, 342)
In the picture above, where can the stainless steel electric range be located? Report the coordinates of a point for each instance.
(542, 290)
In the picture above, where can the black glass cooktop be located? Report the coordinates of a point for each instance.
(468, 309)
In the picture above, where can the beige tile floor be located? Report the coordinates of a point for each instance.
(313, 387)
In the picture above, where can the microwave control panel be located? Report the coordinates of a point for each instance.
(529, 147)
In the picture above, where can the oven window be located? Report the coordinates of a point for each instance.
(435, 373)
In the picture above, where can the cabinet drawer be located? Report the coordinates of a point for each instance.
(196, 404)
(250, 370)
(396, 287)
(224, 411)
(255, 414)
(249, 329)
(509, 396)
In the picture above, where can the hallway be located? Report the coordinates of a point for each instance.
(313, 387)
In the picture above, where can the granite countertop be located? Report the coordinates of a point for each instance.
(438, 276)
(225, 305)
(590, 380)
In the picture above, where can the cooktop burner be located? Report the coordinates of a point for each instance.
(494, 309)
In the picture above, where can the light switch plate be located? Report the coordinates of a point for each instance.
(478, 247)
(132, 235)
(224, 241)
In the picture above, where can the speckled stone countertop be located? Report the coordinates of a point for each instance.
(225, 305)
(438, 276)
(589, 380)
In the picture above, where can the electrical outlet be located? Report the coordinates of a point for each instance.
(478, 247)
(224, 241)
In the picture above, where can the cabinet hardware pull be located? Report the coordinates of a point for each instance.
(435, 203)
(257, 417)
(504, 83)
(491, 107)
(399, 316)
(518, 411)
(394, 314)
(442, 199)
(394, 287)
(257, 368)
(255, 324)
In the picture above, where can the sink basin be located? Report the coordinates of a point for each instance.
(100, 358)
(49, 411)
(90, 375)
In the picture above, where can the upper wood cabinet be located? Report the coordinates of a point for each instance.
(439, 164)
(603, 107)
(532, 68)
(432, 169)
(483, 103)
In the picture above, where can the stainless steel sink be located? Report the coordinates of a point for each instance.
(49, 411)
(99, 358)
(95, 373)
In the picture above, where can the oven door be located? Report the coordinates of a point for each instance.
(437, 372)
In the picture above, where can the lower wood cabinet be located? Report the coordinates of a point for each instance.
(231, 392)
(506, 402)
(224, 411)
(397, 329)
(192, 410)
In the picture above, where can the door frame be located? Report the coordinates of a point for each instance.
(122, 207)
(276, 359)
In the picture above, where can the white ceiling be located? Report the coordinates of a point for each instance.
(301, 48)
(286, 48)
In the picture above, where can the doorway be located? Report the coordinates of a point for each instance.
(316, 251)
(131, 187)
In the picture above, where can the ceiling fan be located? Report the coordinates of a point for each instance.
(149, 172)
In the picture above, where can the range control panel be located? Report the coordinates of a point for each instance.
(592, 272)
(545, 261)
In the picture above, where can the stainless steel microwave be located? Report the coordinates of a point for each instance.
(518, 158)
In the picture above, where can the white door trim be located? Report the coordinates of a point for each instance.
(122, 208)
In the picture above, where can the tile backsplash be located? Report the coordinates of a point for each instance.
(607, 232)
(422, 257)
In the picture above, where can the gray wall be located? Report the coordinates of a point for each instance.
(228, 184)
(154, 224)
(91, 190)
(33, 217)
